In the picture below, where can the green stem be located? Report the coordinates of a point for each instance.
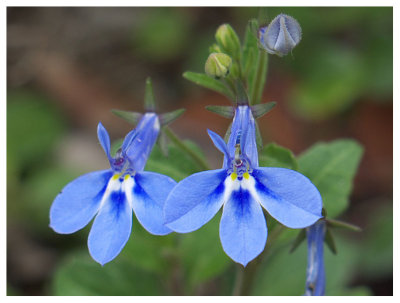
(244, 280)
(180, 144)
(260, 77)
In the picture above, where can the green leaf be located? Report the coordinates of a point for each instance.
(208, 82)
(274, 155)
(149, 252)
(178, 165)
(377, 243)
(202, 253)
(80, 275)
(283, 269)
(331, 167)
(33, 128)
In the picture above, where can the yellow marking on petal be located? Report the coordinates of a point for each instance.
(233, 176)
(246, 175)
(127, 177)
(116, 177)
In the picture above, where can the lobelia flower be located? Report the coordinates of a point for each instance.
(242, 188)
(112, 194)
(315, 280)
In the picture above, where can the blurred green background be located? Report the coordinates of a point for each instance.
(67, 67)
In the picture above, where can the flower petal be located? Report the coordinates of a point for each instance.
(219, 143)
(195, 200)
(288, 196)
(243, 129)
(78, 202)
(139, 149)
(111, 228)
(104, 139)
(128, 139)
(315, 280)
(149, 192)
(243, 229)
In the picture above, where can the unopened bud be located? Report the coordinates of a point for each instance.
(218, 65)
(228, 40)
(281, 35)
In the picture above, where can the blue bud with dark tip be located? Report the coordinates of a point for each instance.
(281, 35)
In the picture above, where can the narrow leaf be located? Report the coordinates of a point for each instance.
(131, 117)
(208, 82)
(260, 110)
(224, 111)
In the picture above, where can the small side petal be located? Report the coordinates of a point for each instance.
(78, 202)
(111, 228)
(288, 196)
(219, 143)
(104, 139)
(149, 192)
(195, 200)
(243, 229)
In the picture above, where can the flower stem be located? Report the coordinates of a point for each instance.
(245, 276)
(180, 144)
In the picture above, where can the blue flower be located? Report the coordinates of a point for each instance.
(315, 280)
(112, 194)
(242, 188)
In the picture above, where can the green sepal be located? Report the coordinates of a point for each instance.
(260, 110)
(162, 141)
(131, 117)
(168, 118)
(329, 240)
(299, 239)
(228, 133)
(208, 82)
(149, 103)
(242, 97)
(224, 111)
(259, 140)
(340, 224)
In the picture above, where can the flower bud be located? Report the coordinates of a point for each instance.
(281, 35)
(218, 65)
(228, 40)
